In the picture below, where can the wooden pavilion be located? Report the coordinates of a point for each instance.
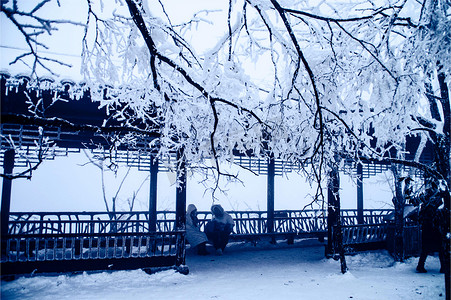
(46, 242)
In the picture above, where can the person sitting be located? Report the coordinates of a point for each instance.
(195, 237)
(220, 227)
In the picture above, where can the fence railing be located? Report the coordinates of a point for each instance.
(49, 247)
(246, 222)
(364, 234)
(62, 241)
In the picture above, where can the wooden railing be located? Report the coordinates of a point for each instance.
(246, 222)
(61, 242)
(49, 247)
(79, 241)
(364, 234)
(69, 252)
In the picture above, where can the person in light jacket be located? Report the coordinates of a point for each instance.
(195, 237)
(220, 227)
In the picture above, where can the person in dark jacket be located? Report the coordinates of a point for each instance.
(430, 219)
(220, 227)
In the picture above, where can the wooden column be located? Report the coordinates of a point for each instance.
(180, 198)
(270, 195)
(153, 194)
(8, 166)
(360, 219)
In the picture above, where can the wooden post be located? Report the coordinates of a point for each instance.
(270, 196)
(180, 199)
(360, 219)
(8, 166)
(153, 194)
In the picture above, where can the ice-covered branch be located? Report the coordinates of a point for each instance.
(140, 23)
(31, 26)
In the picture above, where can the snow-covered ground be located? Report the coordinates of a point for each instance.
(266, 271)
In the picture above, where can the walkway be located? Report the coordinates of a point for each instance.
(299, 271)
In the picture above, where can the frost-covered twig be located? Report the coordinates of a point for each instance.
(31, 26)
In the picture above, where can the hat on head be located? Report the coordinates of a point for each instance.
(217, 210)
(191, 208)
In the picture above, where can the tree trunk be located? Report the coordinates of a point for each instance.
(398, 202)
(442, 160)
(335, 247)
(180, 201)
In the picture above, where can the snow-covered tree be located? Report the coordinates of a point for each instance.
(303, 81)
(336, 75)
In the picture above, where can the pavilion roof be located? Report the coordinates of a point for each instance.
(28, 108)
